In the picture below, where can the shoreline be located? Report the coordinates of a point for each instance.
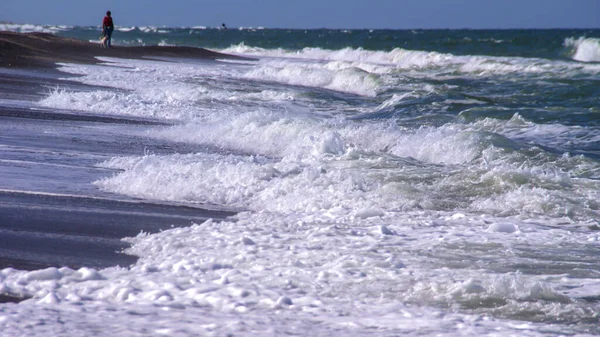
(45, 50)
(76, 226)
(42, 230)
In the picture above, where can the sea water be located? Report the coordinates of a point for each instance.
(441, 182)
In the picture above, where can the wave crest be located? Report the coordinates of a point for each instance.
(33, 28)
(584, 49)
(397, 57)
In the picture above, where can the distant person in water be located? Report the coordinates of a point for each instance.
(107, 29)
(223, 26)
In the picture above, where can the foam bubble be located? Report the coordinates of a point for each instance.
(503, 228)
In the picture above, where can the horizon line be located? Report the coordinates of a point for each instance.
(307, 28)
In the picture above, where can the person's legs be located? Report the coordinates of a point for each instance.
(109, 35)
(104, 37)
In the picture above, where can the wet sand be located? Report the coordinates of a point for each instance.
(41, 230)
(37, 50)
(51, 215)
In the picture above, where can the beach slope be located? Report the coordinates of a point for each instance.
(34, 50)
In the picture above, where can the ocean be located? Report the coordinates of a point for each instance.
(335, 183)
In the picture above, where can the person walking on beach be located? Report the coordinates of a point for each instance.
(107, 29)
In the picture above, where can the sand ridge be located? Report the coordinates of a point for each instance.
(34, 50)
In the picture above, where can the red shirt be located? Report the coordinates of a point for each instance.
(107, 22)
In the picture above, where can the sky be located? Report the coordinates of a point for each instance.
(351, 14)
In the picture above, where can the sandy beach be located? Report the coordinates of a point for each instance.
(36, 50)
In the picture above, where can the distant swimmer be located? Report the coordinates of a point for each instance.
(223, 26)
(107, 29)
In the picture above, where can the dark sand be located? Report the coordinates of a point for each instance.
(40, 228)
(44, 230)
(35, 50)
(38, 231)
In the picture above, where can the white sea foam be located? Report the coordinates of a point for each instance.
(585, 49)
(256, 268)
(397, 57)
(126, 29)
(381, 62)
(329, 76)
(224, 117)
(32, 28)
(348, 226)
(149, 29)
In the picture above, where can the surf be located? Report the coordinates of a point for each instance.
(584, 49)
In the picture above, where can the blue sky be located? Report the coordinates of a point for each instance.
(395, 14)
